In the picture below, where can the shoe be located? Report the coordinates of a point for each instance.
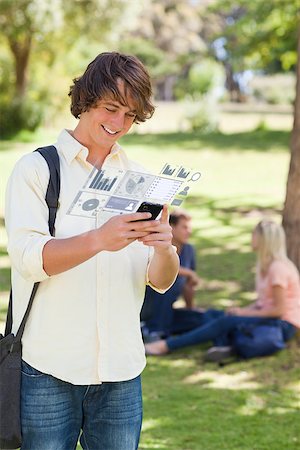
(151, 336)
(217, 354)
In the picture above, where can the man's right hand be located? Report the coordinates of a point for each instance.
(120, 231)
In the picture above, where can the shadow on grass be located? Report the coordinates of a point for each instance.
(262, 141)
(189, 405)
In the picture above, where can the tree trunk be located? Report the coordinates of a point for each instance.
(291, 211)
(21, 52)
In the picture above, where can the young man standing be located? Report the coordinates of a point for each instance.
(82, 349)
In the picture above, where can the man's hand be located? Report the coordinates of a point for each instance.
(235, 311)
(244, 312)
(120, 231)
(194, 279)
(159, 234)
(163, 267)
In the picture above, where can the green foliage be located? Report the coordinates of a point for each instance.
(16, 116)
(167, 37)
(202, 78)
(152, 56)
(201, 113)
(38, 33)
(259, 33)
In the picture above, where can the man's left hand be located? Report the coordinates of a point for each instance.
(160, 236)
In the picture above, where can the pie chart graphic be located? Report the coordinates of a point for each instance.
(90, 204)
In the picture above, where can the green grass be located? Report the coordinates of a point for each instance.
(251, 405)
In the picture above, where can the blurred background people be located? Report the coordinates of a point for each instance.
(159, 317)
(278, 297)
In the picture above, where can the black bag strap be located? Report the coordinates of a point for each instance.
(50, 154)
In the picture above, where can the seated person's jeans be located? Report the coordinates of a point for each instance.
(219, 329)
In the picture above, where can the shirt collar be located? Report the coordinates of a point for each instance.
(71, 148)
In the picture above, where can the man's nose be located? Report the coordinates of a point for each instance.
(118, 120)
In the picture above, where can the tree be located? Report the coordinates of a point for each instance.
(291, 211)
(257, 34)
(21, 22)
(167, 39)
(269, 32)
(49, 26)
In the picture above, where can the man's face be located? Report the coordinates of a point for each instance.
(108, 121)
(182, 231)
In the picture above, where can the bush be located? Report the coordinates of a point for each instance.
(19, 115)
(201, 113)
(203, 77)
(274, 89)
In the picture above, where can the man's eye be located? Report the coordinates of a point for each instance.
(131, 115)
(110, 110)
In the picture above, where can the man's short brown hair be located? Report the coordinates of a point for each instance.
(100, 80)
(177, 215)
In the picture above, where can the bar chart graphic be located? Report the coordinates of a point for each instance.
(169, 170)
(183, 173)
(104, 180)
(174, 171)
(101, 182)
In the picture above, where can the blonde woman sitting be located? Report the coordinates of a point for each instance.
(278, 297)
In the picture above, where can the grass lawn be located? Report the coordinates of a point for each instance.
(251, 405)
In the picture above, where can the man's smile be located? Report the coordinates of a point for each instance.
(109, 131)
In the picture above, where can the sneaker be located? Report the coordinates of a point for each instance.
(217, 354)
(152, 336)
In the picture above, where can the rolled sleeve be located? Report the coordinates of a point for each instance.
(148, 282)
(27, 257)
(26, 216)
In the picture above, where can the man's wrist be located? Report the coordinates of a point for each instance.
(94, 241)
(165, 251)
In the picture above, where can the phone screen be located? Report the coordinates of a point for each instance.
(153, 208)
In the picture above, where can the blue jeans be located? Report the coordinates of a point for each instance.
(221, 327)
(53, 413)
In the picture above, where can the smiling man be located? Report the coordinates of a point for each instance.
(82, 348)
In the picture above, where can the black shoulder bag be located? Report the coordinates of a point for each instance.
(10, 344)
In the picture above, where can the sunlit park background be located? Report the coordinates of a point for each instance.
(224, 76)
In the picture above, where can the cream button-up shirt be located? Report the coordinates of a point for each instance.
(84, 324)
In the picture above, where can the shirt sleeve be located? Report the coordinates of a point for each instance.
(26, 216)
(278, 274)
(148, 282)
(193, 258)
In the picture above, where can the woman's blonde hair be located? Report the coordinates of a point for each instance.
(271, 244)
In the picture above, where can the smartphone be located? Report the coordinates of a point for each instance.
(153, 208)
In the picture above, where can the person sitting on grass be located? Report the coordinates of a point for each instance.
(158, 316)
(278, 297)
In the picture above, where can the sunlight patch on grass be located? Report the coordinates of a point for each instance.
(280, 410)
(218, 285)
(251, 296)
(237, 246)
(295, 387)
(253, 405)
(224, 303)
(154, 446)
(211, 251)
(217, 380)
(182, 363)
(149, 424)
